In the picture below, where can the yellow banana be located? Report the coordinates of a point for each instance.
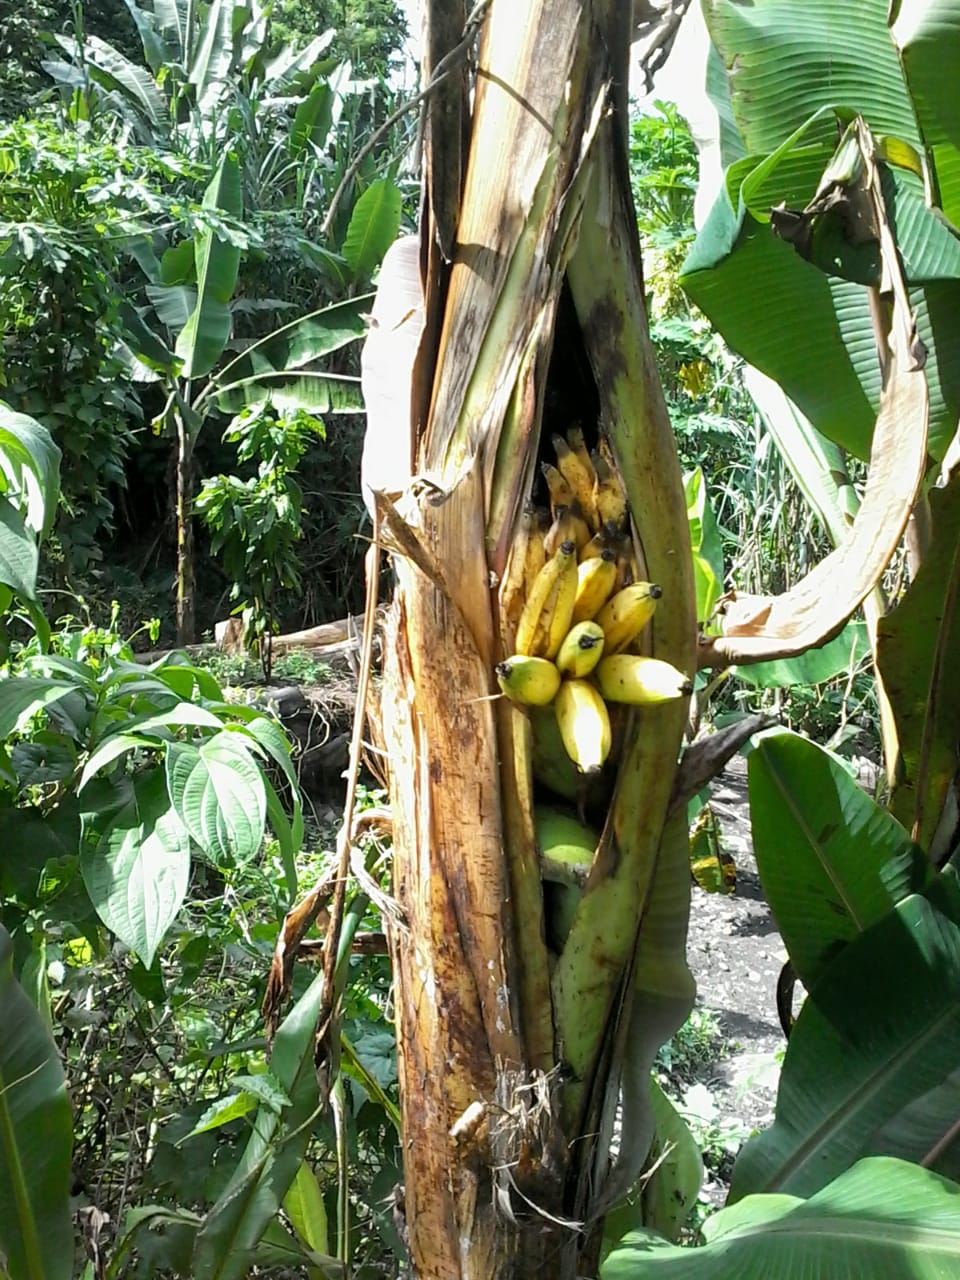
(577, 443)
(546, 616)
(578, 477)
(568, 523)
(609, 497)
(581, 650)
(561, 494)
(625, 616)
(527, 557)
(584, 724)
(533, 681)
(596, 579)
(628, 677)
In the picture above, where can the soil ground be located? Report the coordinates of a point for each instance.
(736, 955)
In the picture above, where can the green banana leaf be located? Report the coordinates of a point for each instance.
(117, 74)
(884, 1219)
(842, 654)
(299, 343)
(212, 51)
(878, 1031)
(36, 1137)
(816, 463)
(790, 68)
(314, 392)
(373, 227)
(917, 650)
(832, 861)
(927, 33)
(201, 341)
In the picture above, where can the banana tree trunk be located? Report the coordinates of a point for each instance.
(512, 1058)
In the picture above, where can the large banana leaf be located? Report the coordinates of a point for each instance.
(927, 33)
(36, 1232)
(789, 68)
(879, 1030)
(917, 650)
(884, 1219)
(204, 336)
(832, 861)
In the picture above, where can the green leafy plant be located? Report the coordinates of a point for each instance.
(255, 523)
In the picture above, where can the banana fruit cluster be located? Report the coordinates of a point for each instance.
(570, 584)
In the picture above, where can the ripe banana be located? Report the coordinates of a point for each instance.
(609, 498)
(533, 681)
(584, 724)
(581, 650)
(548, 610)
(625, 616)
(628, 677)
(580, 479)
(577, 443)
(527, 557)
(561, 493)
(568, 523)
(596, 579)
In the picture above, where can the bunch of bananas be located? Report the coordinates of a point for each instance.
(570, 584)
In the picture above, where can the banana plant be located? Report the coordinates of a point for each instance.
(191, 294)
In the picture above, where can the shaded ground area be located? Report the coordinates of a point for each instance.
(736, 955)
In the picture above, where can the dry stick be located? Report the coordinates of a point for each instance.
(444, 68)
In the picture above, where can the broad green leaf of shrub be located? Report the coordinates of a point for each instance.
(305, 1208)
(36, 1230)
(31, 462)
(822, 846)
(218, 794)
(137, 872)
(884, 1219)
(373, 227)
(19, 556)
(224, 1111)
(23, 696)
(878, 1031)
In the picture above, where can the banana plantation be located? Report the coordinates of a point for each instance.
(612, 435)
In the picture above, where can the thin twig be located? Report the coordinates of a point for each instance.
(444, 69)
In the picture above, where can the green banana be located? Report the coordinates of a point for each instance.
(552, 767)
(581, 650)
(596, 579)
(584, 724)
(628, 677)
(548, 610)
(566, 847)
(533, 681)
(626, 614)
